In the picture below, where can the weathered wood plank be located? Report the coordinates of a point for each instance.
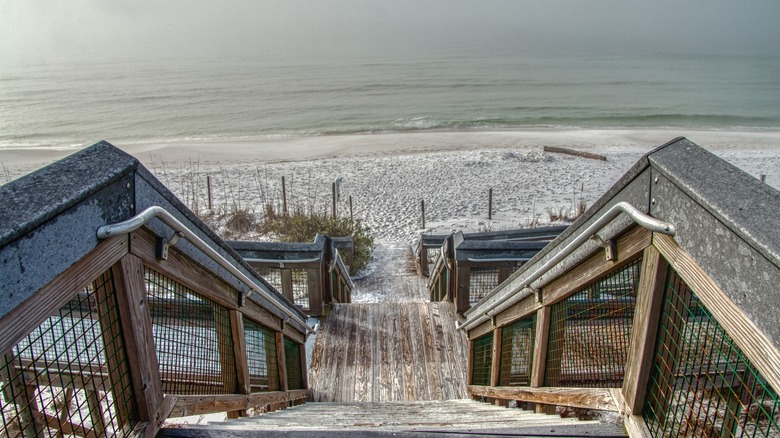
(540, 346)
(376, 364)
(409, 383)
(362, 354)
(431, 356)
(567, 151)
(341, 338)
(589, 398)
(139, 342)
(385, 359)
(442, 348)
(281, 361)
(645, 326)
(186, 405)
(397, 356)
(495, 354)
(353, 324)
(418, 353)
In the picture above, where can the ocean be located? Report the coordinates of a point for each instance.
(212, 99)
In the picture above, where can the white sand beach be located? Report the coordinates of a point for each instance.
(388, 175)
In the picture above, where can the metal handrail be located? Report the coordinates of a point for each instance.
(137, 221)
(642, 219)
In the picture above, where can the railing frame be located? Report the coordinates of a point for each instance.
(659, 252)
(126, 257)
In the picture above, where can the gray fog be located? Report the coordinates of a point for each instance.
(54, 30)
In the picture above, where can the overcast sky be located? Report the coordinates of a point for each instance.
(54, 30)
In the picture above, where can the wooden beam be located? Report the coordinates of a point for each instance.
(208, 404)
(761, 351)
(31, 313)
(462, 288)
(315, 291)
(139, 342)
(239, 351)
(495, 370)
(470, 368)
(287, 284)
(588, 398)
(182, 269)
(630, 244)
(635, 424)
(540, 346)
(281, 363)
(649, 303)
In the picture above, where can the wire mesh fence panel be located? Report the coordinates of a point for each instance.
(517, 352)
(70, 375)
(261, 357)
(438, 288)
(482, 363)
(431, 254)
(192, 339)
(590, 332)
(481, 282)
(294, 368)
(701, 383)
(272, 276)
(300, 287)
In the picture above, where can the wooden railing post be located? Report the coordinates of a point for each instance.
(287, 284)
(315, 290)
(463, 289)
(242, 385)
(649, 303)
(495, 371)
(139, 343)
(281, 362)
(540, 349)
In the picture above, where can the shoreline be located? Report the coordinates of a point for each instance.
(295, 149)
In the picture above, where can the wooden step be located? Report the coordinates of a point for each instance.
(450, 416)
(389, 352)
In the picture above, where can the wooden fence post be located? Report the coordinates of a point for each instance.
(208, 188)
(490, 204)
(284, 197)
(333, 189)
(422, 206)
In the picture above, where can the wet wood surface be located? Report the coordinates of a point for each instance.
(389, 352)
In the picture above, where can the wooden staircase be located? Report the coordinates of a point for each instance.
(389, 352)
(421, 418)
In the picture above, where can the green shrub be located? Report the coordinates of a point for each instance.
(301, 227)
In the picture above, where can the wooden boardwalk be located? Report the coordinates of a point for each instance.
(389, 352)
(451, 418)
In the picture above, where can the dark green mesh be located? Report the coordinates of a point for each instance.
(292, 356)
(701, 383)
(70, 374)
(261, 357)
(192, 338)
(590, 332)
(482, 365)
(517, 352)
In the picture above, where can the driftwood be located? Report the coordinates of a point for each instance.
(575, 152)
